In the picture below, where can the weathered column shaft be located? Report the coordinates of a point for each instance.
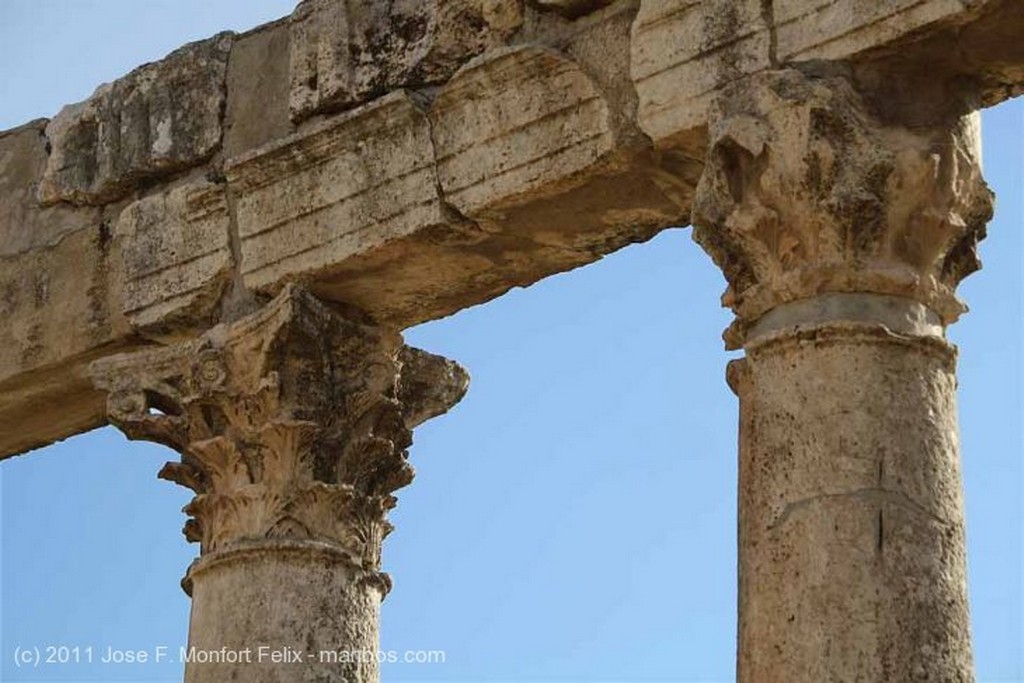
(851, 536)
(274, 599)
(843, 240)
(293, 426)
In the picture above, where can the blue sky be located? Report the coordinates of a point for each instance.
(572, 519)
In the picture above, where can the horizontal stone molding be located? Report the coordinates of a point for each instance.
(684, 50)
(516, 121)
(176, 255)
(314, 199)
(836, 29)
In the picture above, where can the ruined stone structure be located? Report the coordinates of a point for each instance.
(218, 252)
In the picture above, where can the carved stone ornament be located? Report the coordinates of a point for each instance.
(292, 424)
(805, 192)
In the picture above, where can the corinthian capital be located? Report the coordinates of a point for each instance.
(292, 424)
(806, 192)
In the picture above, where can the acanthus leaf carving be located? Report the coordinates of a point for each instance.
(806, 192)
(290, 424)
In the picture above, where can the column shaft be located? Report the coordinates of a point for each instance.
(277, 598)
(843, 235)
(851, 537)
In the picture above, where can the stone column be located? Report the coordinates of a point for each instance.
(292, 425)
(843, 239)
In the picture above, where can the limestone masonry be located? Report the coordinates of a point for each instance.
(219, 250)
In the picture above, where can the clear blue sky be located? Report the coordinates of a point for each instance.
(573, 519)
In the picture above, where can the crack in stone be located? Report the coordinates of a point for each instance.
(459, 217)
(236, 300)
(877, 494)
(447, 206)
(768, 16)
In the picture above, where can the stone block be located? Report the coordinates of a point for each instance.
(176, 256)
(160, 118)
(517, 121)
(318, 197)
(257, 72)
(684, 50)
(55, 301)
(346, 52)
(24, 225)
(837, 29)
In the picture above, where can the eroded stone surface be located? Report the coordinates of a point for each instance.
(683, 51)
(258, 72)
(851, 537)
(843, 239)
(177, 257)
(571, 8)
(292, 425)
(834, 29)
(286, 419)
(59, 308)
(672, 52)
(51, 305)
(518, 120)
(344, 52)
(160, 118)
(804, 193)
(314, 600)
(24, 225)
(321, 196)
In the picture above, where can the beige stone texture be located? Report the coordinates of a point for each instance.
(517, 121)
(58, 302)
(843, 239)
(684, 50)
(851, 538)
(805, 192)
(570, 8)
(160, 118)
(58, 311)
(230, 280)
(258, 73)
(312, 200)
(649, 67)
(24, 225)
(54, 298)
(284, 595)
(836, 29)
(293, 426)
(344, 52)
(176, 257)
(975, 52)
